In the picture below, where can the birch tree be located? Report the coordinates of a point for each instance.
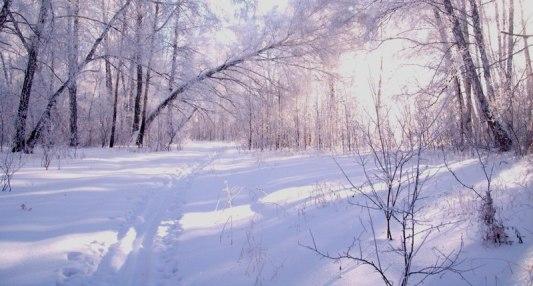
(45, 116)
(73, 28)
(32, 47)
(501, 137)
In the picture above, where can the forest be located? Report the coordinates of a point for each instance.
(266, 142)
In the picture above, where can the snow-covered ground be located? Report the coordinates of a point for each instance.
(214, 215)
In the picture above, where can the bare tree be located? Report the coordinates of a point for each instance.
(494, 230)
(501, 137)
(45, 117)
(276, 48)
(389, 156)
(414, 235)
(9, 165)
(32, 46)
(286, 60)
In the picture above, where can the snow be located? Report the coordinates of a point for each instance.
(212, 214)
(196, 220)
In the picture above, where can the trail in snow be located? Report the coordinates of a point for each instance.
(129, 260)
(211, 214)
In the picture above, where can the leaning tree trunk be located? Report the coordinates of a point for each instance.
(208, 74)
(19, 142)
(501, 138)
(52, 100)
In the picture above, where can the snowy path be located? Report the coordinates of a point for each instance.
(211, 214)
(124, 196)
(135, 268)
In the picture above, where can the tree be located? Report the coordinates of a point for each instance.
(140, 137)
(117, 80)
(290, 46)
(4, 13)
(139, 67)
(32, 47)
(73, 29)
(45, 116)
(501, 137)
(453, 70)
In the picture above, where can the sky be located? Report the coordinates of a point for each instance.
(362, 67)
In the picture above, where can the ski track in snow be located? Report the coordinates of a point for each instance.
(143, 225)
(213, 215)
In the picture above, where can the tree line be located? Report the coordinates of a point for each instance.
(151, 73)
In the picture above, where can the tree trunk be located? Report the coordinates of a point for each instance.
(510, 48)
(279, 123)
(72, 68)
(108, 73)
(480, 43)
(297, 124)
(19, 142)
(318, 128)
(250, 130)
(529, 88)
(115, 106)
(52, 100)
(117, 79)
(502, 139)
(499, 37)
(3, 102)
(467, 84)
(460, 105)
(140, 137)
(448, 62)
(138, 60)
(207, 74)
(138, 96)
(4, 12)
(173, 69)
(387, 218)
(347, 124)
